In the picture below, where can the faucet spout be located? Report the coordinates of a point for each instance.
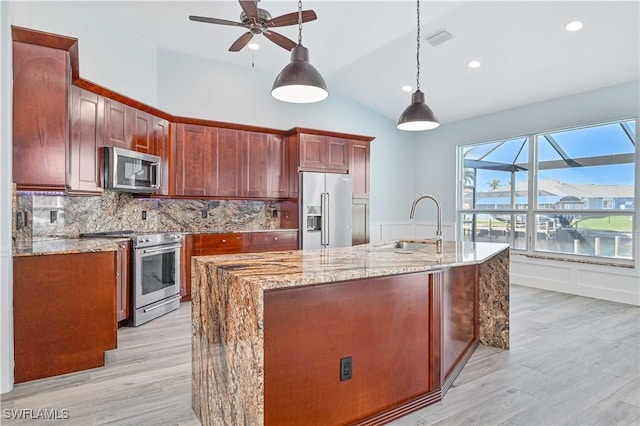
(438, 211)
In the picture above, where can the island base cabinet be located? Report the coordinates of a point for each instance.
(64, 309)
(381, 324)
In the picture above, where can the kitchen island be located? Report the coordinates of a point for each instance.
(359, 335)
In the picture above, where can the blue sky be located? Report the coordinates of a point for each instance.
(585, 142)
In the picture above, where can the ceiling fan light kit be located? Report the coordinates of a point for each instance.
(418, 116)
(299, 81)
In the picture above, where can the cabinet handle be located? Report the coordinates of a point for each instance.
(275, 238)
(224, 241)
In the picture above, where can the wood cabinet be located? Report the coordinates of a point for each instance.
(231, 243)
(254, 174)
(40, 120)
(64, 309)
(277, 167)
(195, 167)
(359, 152)
(161, 141)
(118, 125)
(320, 152)
(229, 163)
(272, 241)
(143, 137)
(123, 281)
(87, 136)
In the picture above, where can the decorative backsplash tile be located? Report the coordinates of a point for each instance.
(58, 215)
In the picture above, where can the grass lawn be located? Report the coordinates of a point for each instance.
(607, 223)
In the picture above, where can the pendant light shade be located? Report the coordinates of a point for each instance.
(299, 82)
(418, 116)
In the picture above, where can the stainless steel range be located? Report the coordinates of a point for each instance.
(156, 275)
(155, 272)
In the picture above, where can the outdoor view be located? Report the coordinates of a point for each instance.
(582, 199)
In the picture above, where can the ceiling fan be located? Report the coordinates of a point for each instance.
(259, 21)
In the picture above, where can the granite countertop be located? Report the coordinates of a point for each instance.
(240, 231)
(283, 269)
(65, 246)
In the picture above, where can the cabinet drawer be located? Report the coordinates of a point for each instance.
(219, 244)
(271, 241)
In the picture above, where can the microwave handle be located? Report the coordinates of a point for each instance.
(157, 167)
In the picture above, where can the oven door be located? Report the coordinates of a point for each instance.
(157, 274)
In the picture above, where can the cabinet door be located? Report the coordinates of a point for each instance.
(359, 168)
(123, 284)
(87, 130)
(143, 140)
(161, 143)
(185, 276)
(312, 151)
(195, 166)
(229, 161)
(254, 177)
(277, 167)
(337, 155)
(273, 241)
(118, 122)
(40, 120)
(207, 244)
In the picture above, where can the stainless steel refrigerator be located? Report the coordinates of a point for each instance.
(325, 210)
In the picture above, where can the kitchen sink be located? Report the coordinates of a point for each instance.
(410, 245)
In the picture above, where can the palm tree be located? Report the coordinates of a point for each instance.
(494, 184)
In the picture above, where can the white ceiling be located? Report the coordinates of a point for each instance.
(366, 50)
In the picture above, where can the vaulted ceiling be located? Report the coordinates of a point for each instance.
(366, 50)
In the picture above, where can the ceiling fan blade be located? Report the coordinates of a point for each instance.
(291, 19)
(241, 42)
(216, 21)
(280, 40)
(250, 8)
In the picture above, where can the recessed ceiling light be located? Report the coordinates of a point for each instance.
(574, 26)
(253, 46)
(407, 88)
(473, 64)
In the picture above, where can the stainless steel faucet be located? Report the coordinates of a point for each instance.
(439, 211)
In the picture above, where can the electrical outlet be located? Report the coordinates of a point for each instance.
(274, 213)
(346, 368)
(53, 216)
(204, 213)
(144, 215)
(20, 220)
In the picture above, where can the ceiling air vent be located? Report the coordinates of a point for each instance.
(439, 38)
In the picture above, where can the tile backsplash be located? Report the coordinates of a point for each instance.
(41, 214)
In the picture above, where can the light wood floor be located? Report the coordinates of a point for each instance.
(573, 360)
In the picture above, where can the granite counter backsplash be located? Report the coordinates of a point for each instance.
(63, 216)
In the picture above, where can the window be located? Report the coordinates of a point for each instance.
(568, 192)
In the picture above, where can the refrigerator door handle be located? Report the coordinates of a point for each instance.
(323, 228)
(326, 210)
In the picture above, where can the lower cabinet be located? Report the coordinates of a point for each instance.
(64, 310)
(123, 281)
(231, 243)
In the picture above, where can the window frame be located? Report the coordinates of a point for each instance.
(532, 210)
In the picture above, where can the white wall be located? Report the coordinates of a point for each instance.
(435, 157)
(6, 288)
(111, 55)
(200, 87)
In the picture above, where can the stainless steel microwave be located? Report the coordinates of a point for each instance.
(131, 171)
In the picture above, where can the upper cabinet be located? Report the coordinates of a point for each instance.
(118, 124)
(326, 153)
(41, 80)
(194, 168)
(143, 139)
(87, 136)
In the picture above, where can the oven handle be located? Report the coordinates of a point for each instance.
(167, 249)
(166, 302)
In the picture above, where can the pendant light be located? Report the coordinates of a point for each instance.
(418, 116)
(299, 82)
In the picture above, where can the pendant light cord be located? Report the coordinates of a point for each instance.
(300, 22)
(418, 48)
